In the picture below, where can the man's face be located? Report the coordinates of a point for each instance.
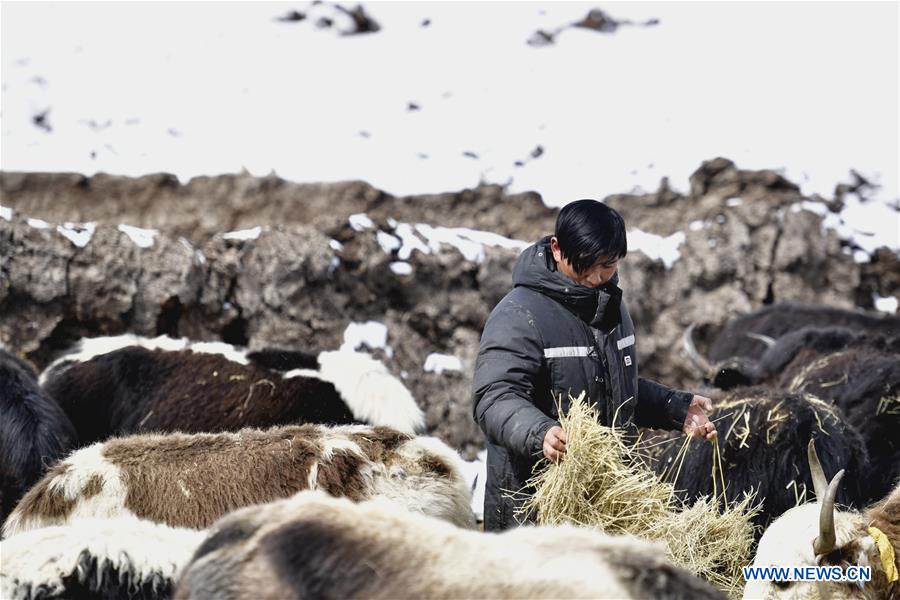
(595, 276)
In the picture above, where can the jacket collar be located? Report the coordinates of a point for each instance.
(599, 307)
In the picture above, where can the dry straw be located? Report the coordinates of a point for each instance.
(603, 482)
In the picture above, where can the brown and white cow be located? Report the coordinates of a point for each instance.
(315, 546)
(190, 480)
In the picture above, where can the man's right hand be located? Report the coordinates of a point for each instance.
(555, 443)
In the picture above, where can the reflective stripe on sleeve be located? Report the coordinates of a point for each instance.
(567, 351)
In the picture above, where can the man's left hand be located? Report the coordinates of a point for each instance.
(697, 424)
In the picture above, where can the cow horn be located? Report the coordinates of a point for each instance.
(826, 541)
(768, 341)
(820, 482)
(690, 350)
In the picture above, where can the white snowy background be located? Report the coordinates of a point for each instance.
(203, 88)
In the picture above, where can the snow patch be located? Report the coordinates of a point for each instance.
(6, 213)
(886, 304)
(401, 268)
(868, 224)
(732, 202)
(38, 223)
(656, 246)
(360, 222)
(409, 241)
(387, 242)
(370, 333)
(469, 242)
(143, 238)
(438, 363)
(243, 234)
(335, 245)
(77, 233)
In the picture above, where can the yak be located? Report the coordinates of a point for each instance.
(788, 355)
(750, 335)
(819, 535)
(190, 480)
(34, 431)
(96, 558)
(864, 384)
(858, 371)
(761, 433)
(125, 385)
(315, 546)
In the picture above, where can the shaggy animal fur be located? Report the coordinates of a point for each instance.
(865, 384)
(858, 371)
(192, 480)
(763, 438)
(789, 541)
(147, 386)
(34, 431)
(779, 319)
(313, 546)
(96, 558)
(87, 348)
(793, 351)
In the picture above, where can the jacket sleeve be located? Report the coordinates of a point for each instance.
(660, 407)
(509, 361)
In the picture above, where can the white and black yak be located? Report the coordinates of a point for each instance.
(105, 559)
(190, 480)
(315, 546)
(34, 431)
(763, 437)
(126, 384)
(818, 535)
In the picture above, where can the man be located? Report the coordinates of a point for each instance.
(561, 331)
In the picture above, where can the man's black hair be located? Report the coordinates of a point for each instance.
(589, 231)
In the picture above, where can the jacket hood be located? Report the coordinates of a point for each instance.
(535, 269)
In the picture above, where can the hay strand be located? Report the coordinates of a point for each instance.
(602, 482)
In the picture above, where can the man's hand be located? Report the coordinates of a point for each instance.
(555, 443)
(696, 424)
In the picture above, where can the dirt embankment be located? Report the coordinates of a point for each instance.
(311, 270)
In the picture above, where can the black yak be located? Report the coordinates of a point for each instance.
(34, 431)
(763, 437)
(747, 335)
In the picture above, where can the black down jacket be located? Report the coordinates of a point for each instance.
(547, 338)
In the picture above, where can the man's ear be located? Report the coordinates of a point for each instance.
(554, 248)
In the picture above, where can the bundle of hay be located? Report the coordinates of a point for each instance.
(603, 483)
